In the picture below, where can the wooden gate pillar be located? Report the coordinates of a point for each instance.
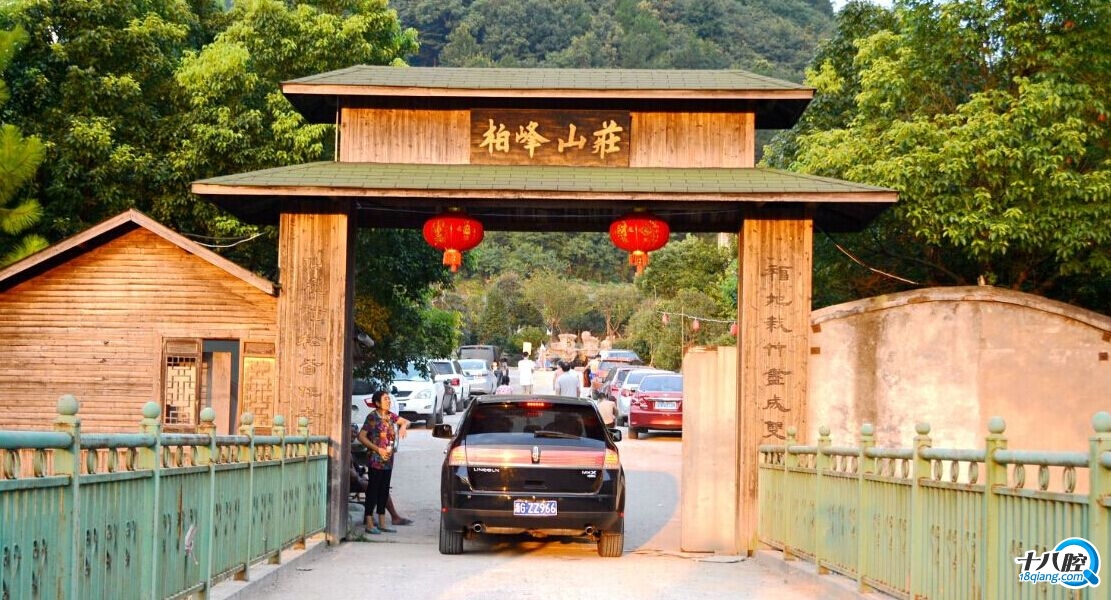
(773, 313)
(315, 332)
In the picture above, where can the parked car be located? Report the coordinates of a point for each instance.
(604, 367)
(624, 395)
(619, 354)
(614, 379)
(657, 404)
(484, 352)
(479, 375)
(416, 396)
(541, 465)
(449, 370)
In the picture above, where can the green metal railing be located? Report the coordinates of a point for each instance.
(925, 523)
(152, 515)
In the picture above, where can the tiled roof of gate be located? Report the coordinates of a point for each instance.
(642, 80)
(706, 199)
(777, 104)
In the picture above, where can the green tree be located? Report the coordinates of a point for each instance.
(692, 263)
(394, 301)
(556, 298)
(990, 119)
(19, 159)
(616, 303)
(494, 321)
(662, 344)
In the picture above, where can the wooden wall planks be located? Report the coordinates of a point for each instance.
(93, 327)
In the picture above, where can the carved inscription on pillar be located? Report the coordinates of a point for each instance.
(774, 315)
(312, 308)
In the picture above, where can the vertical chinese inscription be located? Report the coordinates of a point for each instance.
(774, 317)
(516, 137)
(775, 280)
(312, 328)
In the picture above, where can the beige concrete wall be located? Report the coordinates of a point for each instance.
(954, 357)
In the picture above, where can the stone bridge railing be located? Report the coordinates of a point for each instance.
(937, 523)
(151, 514)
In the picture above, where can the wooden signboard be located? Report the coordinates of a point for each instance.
(534, 137)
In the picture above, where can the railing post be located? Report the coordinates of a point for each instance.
(279, 430)
(247, 455)
(68, 462)
(306, 486)
(865, 506)
(919, 526)
(151, 459)
(208, 456)
(790, 461)
(822, 520)
(995, 477)
(1099, 490)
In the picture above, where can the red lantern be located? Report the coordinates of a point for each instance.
(665, 319)
(454, 233)
(733, 329)
(639, 233)
(695, 325)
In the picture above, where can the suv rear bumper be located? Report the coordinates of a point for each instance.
(504, 522)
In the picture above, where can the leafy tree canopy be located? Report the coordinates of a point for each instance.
(990, 118)
(19, 159)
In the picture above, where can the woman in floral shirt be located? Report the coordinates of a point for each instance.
(379, 434)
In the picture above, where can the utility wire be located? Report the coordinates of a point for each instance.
(861, 263)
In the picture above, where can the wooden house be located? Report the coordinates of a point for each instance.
(128, 312)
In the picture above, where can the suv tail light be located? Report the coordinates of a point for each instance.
(458, 456)
(612, 460)
(455, 381)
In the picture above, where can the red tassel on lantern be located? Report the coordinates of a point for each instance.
(454, 233)
(639, 233)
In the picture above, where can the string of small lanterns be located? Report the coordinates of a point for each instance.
(696, 321)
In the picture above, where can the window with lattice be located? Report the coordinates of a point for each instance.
(181, 382)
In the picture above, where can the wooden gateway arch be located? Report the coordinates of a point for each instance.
(546, 150)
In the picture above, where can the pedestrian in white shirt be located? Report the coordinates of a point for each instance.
(525, 367)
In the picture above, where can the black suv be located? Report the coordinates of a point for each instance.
(542, 465)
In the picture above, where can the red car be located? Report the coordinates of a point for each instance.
(657, 404)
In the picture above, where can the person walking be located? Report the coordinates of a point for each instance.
(525, 368)
(608, 409)
(380, 434)
(568, 383)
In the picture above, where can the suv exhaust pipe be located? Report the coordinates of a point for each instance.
(589, 530)
(478, 527)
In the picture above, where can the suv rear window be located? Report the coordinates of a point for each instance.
(442, 367)
(530, 417)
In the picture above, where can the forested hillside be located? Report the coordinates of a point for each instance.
(771, 37)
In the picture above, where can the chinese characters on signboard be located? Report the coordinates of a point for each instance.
(584, 138)
(774, 403)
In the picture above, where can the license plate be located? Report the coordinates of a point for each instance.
(667, 405)
(534, 508)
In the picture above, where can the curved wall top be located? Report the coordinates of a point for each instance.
(954, 357)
